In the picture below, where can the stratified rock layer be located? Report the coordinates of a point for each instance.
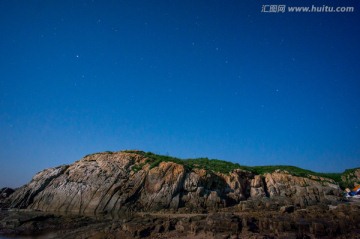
(124, 182)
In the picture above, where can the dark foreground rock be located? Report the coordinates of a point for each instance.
(342, 221)
(4, 194)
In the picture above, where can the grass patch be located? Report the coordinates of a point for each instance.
(347, 176)
(225, 167)
(214, 165)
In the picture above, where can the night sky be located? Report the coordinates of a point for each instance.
(186, 78)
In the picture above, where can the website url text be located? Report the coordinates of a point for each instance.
(313, 8)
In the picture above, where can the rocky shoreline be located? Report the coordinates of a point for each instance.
(129, 195)
(341, 221)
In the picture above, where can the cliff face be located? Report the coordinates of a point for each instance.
(109, 183)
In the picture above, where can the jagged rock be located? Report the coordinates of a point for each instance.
(239, 185)
(162, 185)
(257, 187)
(97, 183)
(302, 191)
(24, 196)
(192, 181)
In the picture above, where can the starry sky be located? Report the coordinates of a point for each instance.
(186, 78)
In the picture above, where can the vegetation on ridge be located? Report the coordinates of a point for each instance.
(202, 163)
(221, 166)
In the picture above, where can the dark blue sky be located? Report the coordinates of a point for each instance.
(186, 78)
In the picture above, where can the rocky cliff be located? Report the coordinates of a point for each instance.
(127, 181)
(351, 177)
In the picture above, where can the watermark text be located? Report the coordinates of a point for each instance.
(316, 9)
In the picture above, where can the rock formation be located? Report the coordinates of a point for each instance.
(351, 177)
(126, 182)
(134, 196)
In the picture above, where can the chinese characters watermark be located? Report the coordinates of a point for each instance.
(274, 8)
